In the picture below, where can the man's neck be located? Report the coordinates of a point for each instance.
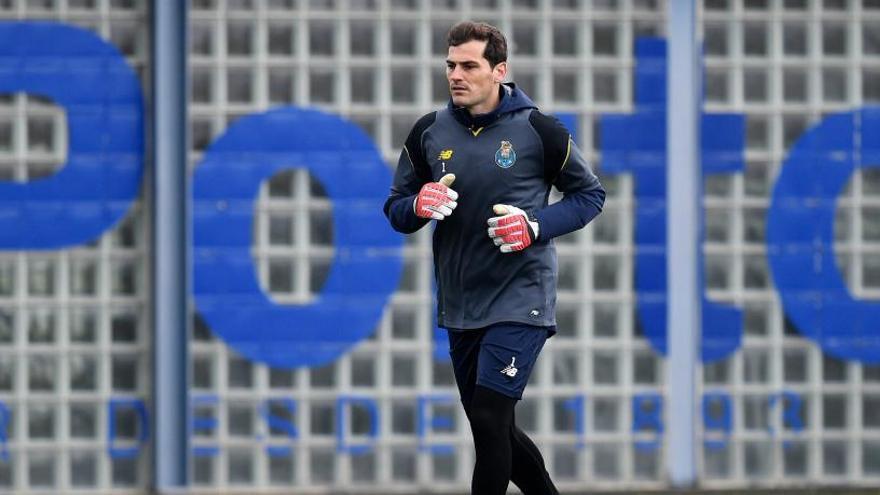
(488, 105)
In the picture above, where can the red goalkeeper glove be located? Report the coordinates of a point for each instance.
(436, 200)
(512, 230)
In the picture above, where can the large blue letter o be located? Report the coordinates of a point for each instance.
(800, 235)
(367, 262)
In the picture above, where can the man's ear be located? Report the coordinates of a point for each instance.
(499, 72)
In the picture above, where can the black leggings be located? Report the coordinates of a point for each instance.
(504, 452)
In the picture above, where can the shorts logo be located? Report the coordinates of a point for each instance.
(510, 370)
(505, 157)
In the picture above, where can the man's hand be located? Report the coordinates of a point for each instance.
(436, 200)
(512, 230)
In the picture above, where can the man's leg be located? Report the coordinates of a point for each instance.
(504, 452)
(528, 472)
(508, 353)
(486, 411)
(464, 350)
(491, 417)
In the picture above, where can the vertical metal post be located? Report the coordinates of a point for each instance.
(171, 282)
(683, 227)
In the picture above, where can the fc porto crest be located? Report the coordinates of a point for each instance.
(505, 157)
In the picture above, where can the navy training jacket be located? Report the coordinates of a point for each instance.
(512, 155)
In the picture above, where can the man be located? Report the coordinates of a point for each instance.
(494, 258)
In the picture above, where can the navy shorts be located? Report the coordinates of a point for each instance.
(500, 357)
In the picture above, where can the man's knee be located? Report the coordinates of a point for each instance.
(484, 420)
(491, 413)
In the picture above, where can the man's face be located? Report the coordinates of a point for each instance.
(471, 79)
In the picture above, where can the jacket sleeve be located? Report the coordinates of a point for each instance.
(411, 174)
(565, 168)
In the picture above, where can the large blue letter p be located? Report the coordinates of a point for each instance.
(101, 96)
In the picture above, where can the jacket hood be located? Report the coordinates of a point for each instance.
(512, 99)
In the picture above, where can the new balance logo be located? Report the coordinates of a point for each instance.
(510, 370)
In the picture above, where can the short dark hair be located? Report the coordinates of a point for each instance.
(496, 44)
